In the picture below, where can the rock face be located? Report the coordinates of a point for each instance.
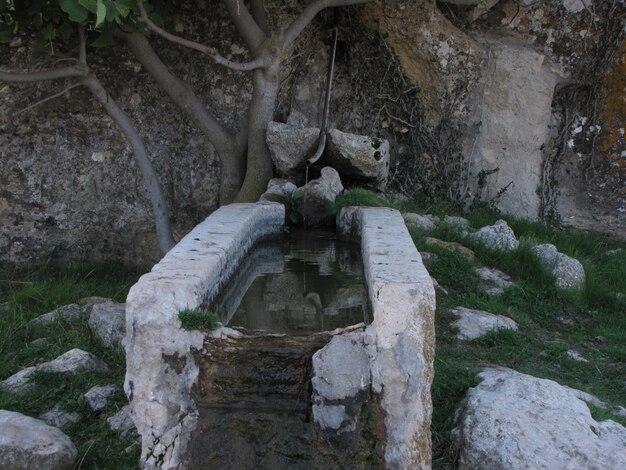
(108, 322)
(513, 421)
(473, 324)
(393, 358)
(359, 157)
(68, 313)
(27, 443)
(498, 236)
(98, 397)
(569, 272)
(291, 146)
(314, 201)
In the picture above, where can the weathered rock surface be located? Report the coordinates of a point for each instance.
(73, 362)
(121, 421)
(359, 157)
(569, 272)
(290, 146)
(498, 236)
(314, 201)
(68, 313)
(493, 281)
(473, 324)
(423, 222)
(451, 246)
(98, 397)
(512, 421)
(58, 418)
(108, 322)
(280, 191)
(27, 444)
(19, 382)
(458, 222)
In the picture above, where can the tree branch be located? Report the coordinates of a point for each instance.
(260, 16)
(211, 52)
(43, 75)
(82, 46)
(307, 15)
(247, 27)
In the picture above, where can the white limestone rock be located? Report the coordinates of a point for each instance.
(121, 421)
(58, 418)
(513, 421)
(425, 222)
(569, 272)
(473, 324)
(98, 397)
(72, 362)
(493, 281)
(108, 322)
(358, 157)
(27, 444)
(498, 236)
(290, 146)
(69, 313)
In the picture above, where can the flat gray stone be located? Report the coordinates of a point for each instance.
(425, 222)
(69, 313)
(108, 322)
(98, 397)
(473, 324)
(30, 444)
(58, 418)
(73, 362)
(498, 236)
(513, 421)
(569, 272)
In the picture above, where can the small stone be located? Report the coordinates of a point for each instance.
(20, 381)
(423, 222)
(98, 397)
(569, 272)
(108, 322)
(39, 342)
(58, 418)
(473, 324)
(68, 313)
(619, 411)
(615, 251)
(438, 287)
(599, 340)
(27, 444)
(428, 258)
(451, 246)
(280, 191)
(498, 236)
(121, 421)
(458, 222)
(493, 281)
(73, 362)
(575, 356)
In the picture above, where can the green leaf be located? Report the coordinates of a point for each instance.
(76, 12)
(105, 39)
(100, 14)
(90, 5)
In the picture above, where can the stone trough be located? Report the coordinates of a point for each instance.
(359, 394)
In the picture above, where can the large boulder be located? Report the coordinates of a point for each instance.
(314, 202)
(498, 236)
(473, 324)
(290, 146)
(108, 322)
(569, 272)
(27, 443)
(512, 421)
(359, 157)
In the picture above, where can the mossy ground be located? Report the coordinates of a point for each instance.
(37, 290)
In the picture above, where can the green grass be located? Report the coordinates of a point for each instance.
(198, 319)
(33, 291)
(550, 320)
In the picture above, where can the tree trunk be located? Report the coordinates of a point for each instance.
(259, 166)
(231, 156)
(159, 204)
